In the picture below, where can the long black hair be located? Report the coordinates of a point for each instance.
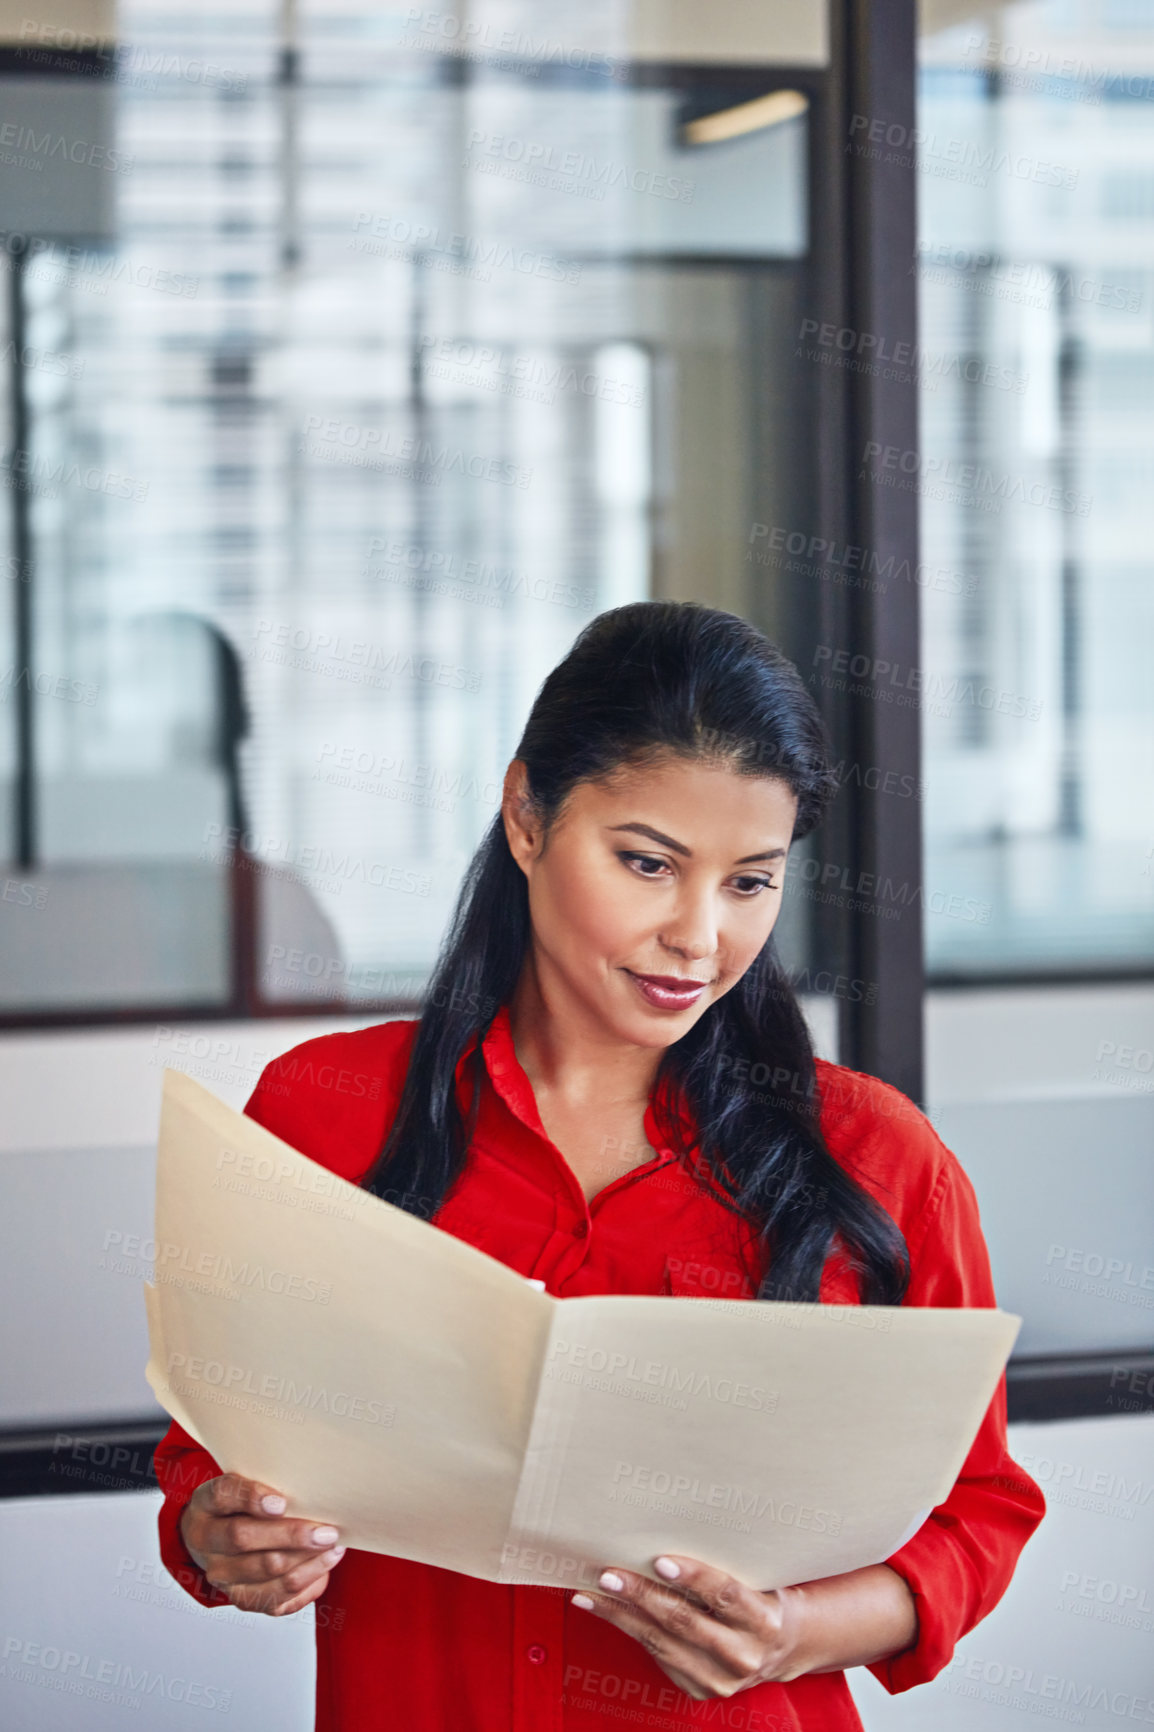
(643, 681)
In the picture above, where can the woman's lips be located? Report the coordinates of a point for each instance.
(662, 995)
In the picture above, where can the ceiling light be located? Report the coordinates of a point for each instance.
(745, 117)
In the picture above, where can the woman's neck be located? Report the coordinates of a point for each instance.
(567, 1054)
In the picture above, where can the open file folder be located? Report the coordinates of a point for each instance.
(431, 1404)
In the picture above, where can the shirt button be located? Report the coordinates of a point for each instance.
(537, 1654)
(581, 1230)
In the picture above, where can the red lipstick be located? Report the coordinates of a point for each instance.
(668, 991)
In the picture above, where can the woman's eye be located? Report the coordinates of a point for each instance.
(643, 860)
(748, 886)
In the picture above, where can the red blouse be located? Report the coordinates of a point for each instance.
(403, 1644)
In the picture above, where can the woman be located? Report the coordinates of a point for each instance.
(585, 1097)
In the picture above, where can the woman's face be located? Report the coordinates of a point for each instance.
(673, 870)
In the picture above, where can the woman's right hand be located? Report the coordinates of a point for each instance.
(235, 1531)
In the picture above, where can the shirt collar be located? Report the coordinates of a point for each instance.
(507, 1075)
(667, 1107)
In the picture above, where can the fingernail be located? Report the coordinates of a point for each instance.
(607, 1579)
(335, 1556)
(583, 1600)
(324, 1536)
(667, 1568)
(272, 1505)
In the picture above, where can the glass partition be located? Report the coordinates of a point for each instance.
(409, 351)
(1036, 264)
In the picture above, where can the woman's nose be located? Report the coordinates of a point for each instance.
(693, 932)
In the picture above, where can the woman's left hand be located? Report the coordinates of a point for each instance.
(707, 1631)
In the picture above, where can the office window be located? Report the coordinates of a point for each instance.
(1036, 260)
(391, 361)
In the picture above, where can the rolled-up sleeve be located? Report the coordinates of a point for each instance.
(959, 1563)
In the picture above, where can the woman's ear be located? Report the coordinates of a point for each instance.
(522, 829)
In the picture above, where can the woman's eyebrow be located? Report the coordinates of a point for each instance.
(680, 848)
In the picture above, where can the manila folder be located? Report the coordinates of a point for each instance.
(431, 1404)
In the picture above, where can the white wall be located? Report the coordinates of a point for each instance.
(1046, 1095)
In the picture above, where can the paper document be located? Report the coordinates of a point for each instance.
(432, 1404)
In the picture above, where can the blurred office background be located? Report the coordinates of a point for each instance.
(354, 357)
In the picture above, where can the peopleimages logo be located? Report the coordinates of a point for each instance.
(212, 1379)
(972, 482)
(117, 1682)
(847, 562)
(567, 171)
(730, 1499)
(626, 1368)
(38, 147)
